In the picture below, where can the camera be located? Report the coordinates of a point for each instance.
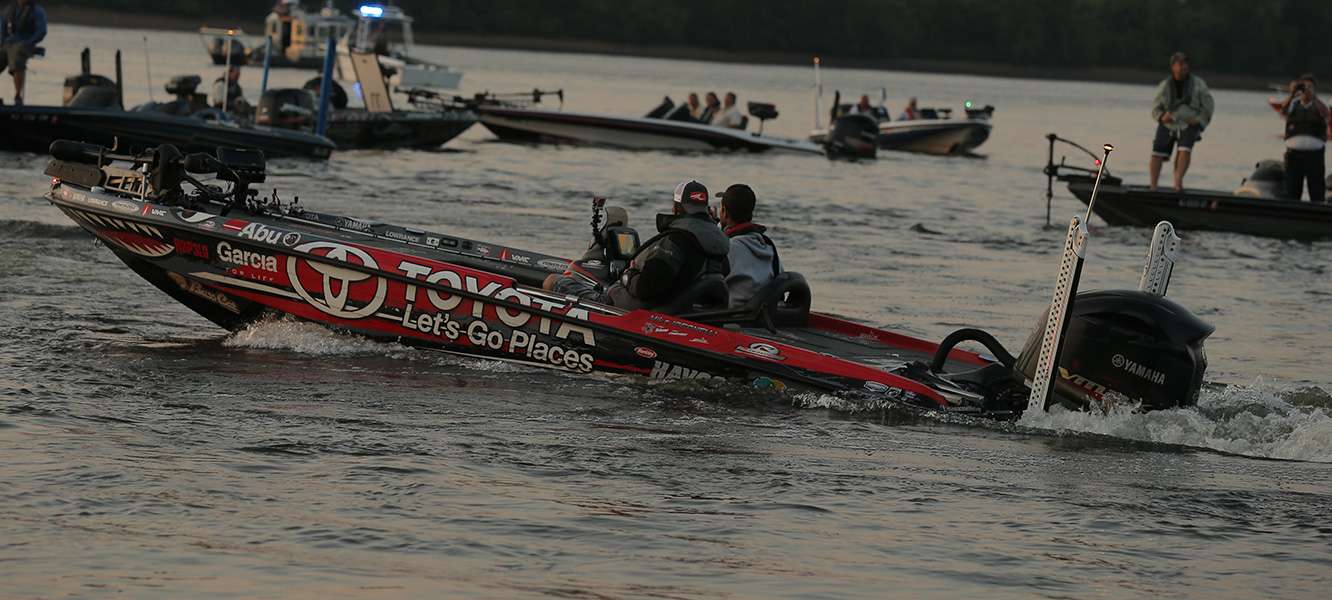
(1300, 87)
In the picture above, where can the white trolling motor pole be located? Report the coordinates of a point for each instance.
(1061, 306)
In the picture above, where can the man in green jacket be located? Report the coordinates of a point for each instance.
(1182, 110)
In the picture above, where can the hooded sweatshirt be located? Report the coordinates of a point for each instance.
(752, 260)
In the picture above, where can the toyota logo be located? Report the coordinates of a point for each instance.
(337, 282)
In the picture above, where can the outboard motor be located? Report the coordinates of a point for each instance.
(853, 136)
(288, 108)
(1267, 180)
(188, 101)
(218, 50)
(97, 91)
(1127, 345)
(337, 95)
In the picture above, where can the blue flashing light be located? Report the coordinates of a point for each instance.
(370, 11)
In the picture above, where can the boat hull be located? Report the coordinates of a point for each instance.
(1202, 210)
(533, 126)
(33, 128)
(930, 136)
(358, 129)
(467, 297)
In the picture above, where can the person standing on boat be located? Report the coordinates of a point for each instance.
(1306, 138)
(227, 89)
(1182, 110)
(730, 114)
(752, 261)
(22, 27)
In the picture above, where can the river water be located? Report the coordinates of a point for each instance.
(149, 454)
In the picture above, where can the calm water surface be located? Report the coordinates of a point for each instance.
(149, 454)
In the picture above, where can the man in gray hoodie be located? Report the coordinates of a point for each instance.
(753, 260)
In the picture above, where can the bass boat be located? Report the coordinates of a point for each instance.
(93, 112)
(237, 258)
(1257, 207)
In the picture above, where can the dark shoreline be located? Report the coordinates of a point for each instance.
(107, 18)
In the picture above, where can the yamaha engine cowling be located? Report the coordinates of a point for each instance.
(1125, 345)
(288, 108)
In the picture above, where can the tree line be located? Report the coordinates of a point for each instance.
(1265, 38)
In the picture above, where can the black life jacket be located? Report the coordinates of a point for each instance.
(705, 245)
(22, 24)
(1305, 120)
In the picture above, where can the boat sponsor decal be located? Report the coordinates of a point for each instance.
(239, 257)
(83, 198)
(664, 371)
(876, 387)
(402, 236)
(193, 217)
(125, 206)
(761, 350)
(699, 340)
(508, 255)
(645, 352)
(660, 318)
(354, 224)
(484, 250)
(1138, 369)
(338, 282)
(1096, 390)
(235, 225)
(553, 265)
(265, 234)
(149, 209)
(432, 241)
(203, 291)
(190, 248)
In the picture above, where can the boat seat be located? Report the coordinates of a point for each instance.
(681, 113)
(660, 111)
(784, 301)
(708, 293)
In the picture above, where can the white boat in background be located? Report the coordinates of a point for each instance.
(656, 131)
(387, 31)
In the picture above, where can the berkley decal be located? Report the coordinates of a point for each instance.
(645, 352)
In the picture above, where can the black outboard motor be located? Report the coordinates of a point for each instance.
(218, 50)
(853, 136)
(1268, 180)
(87, 90)
(1125, 345)
(288, 108)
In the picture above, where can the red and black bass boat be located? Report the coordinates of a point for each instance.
(237, 258)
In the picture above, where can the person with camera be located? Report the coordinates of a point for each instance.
(1306, 138)
(1182, 109)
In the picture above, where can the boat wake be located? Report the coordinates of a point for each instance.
(1261, 419)
(306, 338)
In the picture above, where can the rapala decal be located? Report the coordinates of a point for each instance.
(190, 248)
(239, 257)
(205, 292)
(645, 352)
(761, 350)
(1138, 369)
(664, 371)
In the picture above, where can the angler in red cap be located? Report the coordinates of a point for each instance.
(688, 247)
